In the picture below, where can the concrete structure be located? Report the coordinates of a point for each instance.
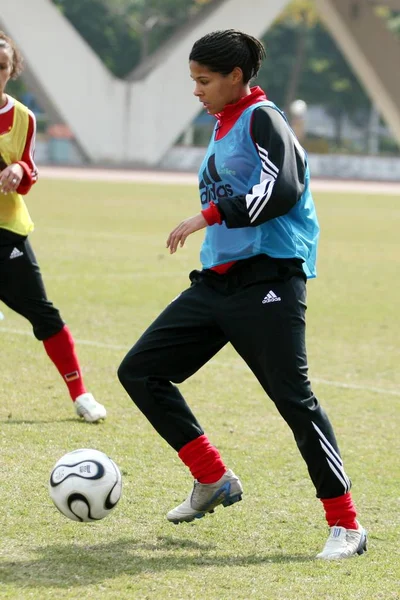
(134, 121)
(137, 120)
(372, 51)
(324, 166)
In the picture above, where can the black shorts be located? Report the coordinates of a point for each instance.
(22, 288)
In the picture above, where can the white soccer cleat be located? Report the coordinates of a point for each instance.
(205, 497)
(90, 410)
(343, 543)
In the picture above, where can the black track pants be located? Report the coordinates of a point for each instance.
(261, 311)
(22, 289)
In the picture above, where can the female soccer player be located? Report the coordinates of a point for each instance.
(21, 285)
(259, 248)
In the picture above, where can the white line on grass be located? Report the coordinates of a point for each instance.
(355, 386)
(340, 384)
(189, 178)
(123, 276)
(83, 342)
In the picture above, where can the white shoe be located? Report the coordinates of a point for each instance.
(343, 543)
(206, 496)
(90, 410)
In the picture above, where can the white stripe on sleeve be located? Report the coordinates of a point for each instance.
(261, 192)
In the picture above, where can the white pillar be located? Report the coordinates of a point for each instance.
(371, 49)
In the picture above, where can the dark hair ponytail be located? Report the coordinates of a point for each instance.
(222, 51)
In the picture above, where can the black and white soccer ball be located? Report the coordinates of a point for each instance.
(85, 485)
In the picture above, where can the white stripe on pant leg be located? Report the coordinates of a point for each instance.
(339, 463)
(332, 461)
(339, 476)
(335, 461)
(327, 442)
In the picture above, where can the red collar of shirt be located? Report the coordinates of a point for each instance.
(228, 117)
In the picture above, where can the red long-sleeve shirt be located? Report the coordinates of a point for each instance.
(27, 159)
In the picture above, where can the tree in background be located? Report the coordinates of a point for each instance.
(392, 18)
(117, 44)
(299, 18)
(154, 20)
(124, 32)
(302, 59)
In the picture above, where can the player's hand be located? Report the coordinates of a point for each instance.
(178, 236)
(10, 178)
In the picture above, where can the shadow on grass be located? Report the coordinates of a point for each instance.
(64, 566)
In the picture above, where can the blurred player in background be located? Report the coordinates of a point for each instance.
(259, 248)
(21, 285)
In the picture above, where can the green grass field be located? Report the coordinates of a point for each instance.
(101, 247)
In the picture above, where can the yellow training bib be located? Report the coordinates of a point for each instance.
(14, 215)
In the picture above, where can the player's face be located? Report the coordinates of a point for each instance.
(6, 66)
(214, 90)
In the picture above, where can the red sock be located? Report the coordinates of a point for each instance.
(203, 460)
(61, 350)
(340, 511)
